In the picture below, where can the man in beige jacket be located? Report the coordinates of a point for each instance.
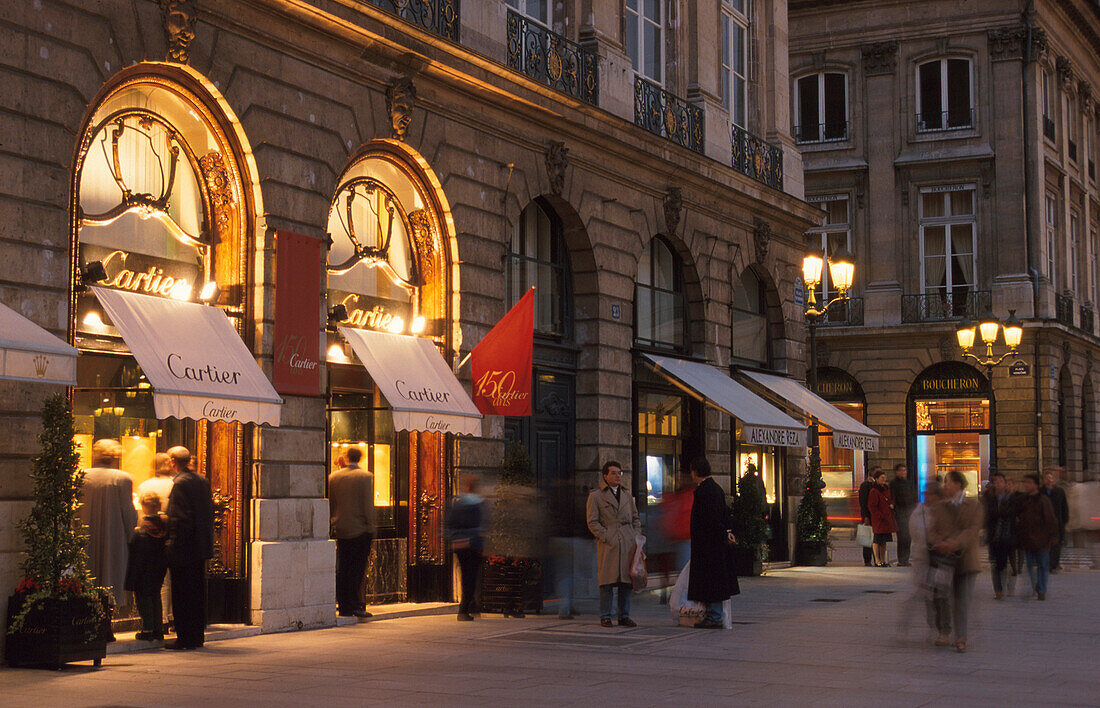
(613, 520)
(352, 519)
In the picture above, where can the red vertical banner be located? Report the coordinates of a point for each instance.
(501, 362)
(297, 369)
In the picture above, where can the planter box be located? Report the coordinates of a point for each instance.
(812, 554)
(55, 634)
(510, 587)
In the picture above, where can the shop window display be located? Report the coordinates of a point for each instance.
(953, 434)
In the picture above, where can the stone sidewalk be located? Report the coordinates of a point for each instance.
(830, 636)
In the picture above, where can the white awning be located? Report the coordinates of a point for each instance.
(848, 433)
(419, 386)
(30, 353)
(761, 422)
(193, 357)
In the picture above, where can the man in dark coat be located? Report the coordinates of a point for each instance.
(1057, 497)
(905, 500)
(864, 511)
(711, 579)
(190, 543)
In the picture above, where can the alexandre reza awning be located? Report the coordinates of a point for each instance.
(848, 433)
(761, 422)
(416, 381)
(30, 353)
(193, 357)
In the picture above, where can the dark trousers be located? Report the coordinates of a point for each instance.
(469, 563)
(189, 602)
(998, 564)
(1056, 551)
(351, 564)
(904, 540)
(149, 608)
(867, 557)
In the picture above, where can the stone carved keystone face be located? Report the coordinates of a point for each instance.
(400, 100)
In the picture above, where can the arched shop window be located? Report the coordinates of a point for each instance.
(659, 315)
(749, 322)
(842, 470)
(949, 423)
(537, 258)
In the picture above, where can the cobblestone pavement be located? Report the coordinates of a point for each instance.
(829, 635)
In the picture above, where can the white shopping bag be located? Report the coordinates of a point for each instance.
(639, 576)
(727, 614)
(684, 612)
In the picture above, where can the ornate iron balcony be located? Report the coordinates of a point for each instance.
(944, 306)
(1085, 322)
(440, 17)
(757, 159)
(846, 313)
(821, 132)
(667, 115)
(552, 59)
(931, 122)
(1048, 127)
(1063, 308)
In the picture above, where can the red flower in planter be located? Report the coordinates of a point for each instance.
(70, 585)
(27, 585)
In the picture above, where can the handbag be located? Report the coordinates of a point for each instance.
(865, 536)
(941, 571)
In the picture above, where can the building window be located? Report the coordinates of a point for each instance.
(1071, 128)
(537, 10)
(735, 55)
(1048, 105)
(822, 110)
(947, 230)
(1093, 270)
(749, 322)
(1074, 252)
(644, 35)
(659, 298)
(945, 96)
(834, 235)
(537, 259)
(1052, 237)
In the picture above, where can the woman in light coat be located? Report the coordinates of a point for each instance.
(613, 519)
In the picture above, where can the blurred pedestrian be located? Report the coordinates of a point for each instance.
(613, 519)
(865, 513)
(880, 505)
(148, 565)
(465, 530)
(107, 512)
(935, 601)
(1016, 555)
(352, 521)
(1057, 497)
(955, 532)
(1000, 518)
(905, 499)
(190, 544)
(711, 579)
(1039, 531)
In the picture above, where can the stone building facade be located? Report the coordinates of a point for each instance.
(583, 140)
(954, 148)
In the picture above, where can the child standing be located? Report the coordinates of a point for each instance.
(147, 566)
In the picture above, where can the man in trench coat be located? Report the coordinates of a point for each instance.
(711, 579)
(109, 515)
(613, 520)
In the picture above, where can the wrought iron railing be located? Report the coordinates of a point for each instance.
(1063, 308)
(552, 59)
(930, 122)
(945, 306)
(667, 115)
(1086, 318)
(846, 313)
(1072, 150)
(1048, 127)
(756, 158)
(821, 132)
(440, 17)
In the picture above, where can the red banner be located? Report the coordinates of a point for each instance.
(297, 369)
(501, 362)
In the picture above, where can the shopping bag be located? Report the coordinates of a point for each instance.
(684, 612)
(639, 576)
(727, 614)
(865, 536)
(941, 572)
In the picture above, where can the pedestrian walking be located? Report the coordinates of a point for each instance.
(880, 506)
(352, 523)
(107, 511)
(190, 543)
(1000, 519)
(864, 495)
(711, 578)
(1016, 555)
(955, 533)
(1059, 503)
(613, 519)
(935, 600)
(905, 500)
(147, 566)
(1037, 525)
(466, 532)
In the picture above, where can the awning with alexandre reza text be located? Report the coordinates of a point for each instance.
(195, 361)
(761, 422)
(417, 383)
(30, 353)
(848, 433)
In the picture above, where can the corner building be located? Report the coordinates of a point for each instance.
(953, 149)
(420, 166)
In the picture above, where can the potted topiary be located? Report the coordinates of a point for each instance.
(749, 526)
(57, 614)
(512, 581)
(812, 547)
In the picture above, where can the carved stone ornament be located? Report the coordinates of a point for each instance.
(179, 26)
(1038, 43)
(761, 239)
(880, 58)
(421, 223)
(986, 170)
(400, 100)
(216, 176)
(1084, 95)
(674, 206)
(947, 347)
(1007, 43)
(1067, 352)
(1064, 67)
(557, 159)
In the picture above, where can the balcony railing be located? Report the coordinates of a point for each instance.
(1072, 150)
(437, 16)
(945, 306)
(667, 115)
(1063, 309)
(552, 59)
(947, 120)
(1085, 322)
(846, 313)
(757, 159)
(1048, 127)
(821, 132)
